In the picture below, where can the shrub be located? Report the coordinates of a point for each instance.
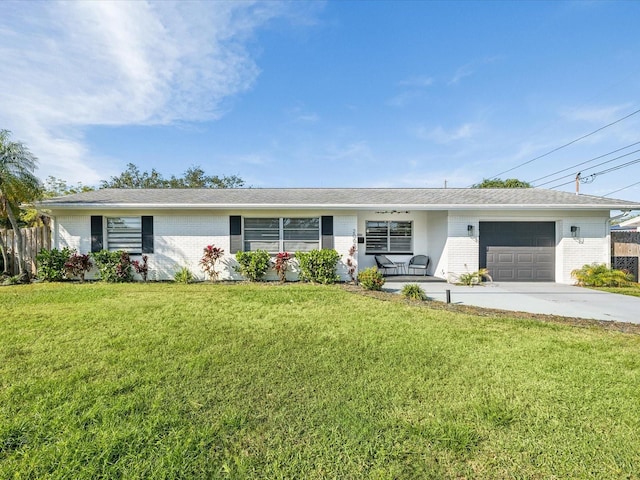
(12, 280)
(78, 265)
(141, 267)
(599, 275)
(183, 275)
(208, 261)
(413, 291)
(253, 265)
(114, 267)
(371, 279)
(281, 265)
(474, 278)
(51, 264)
(319, 266)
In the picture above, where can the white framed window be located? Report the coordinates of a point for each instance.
(262, 234)
(389, 236)
(282, 234)
(124, 233)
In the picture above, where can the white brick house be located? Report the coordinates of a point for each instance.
(518, 234)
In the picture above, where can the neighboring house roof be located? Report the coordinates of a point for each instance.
(335, 198)
(630, 224)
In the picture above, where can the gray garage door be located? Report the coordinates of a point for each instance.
(518, 251)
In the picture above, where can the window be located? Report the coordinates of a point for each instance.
(124, 233)
(262, 234)
(281, 234)
(389, 236)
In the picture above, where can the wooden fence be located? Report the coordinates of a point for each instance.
(625, 251)
(34, 239)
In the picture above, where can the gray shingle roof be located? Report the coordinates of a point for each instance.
(339, 198)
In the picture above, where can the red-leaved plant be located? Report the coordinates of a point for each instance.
(141, 267)
(208, 261)
(77, 265)
(281, 265)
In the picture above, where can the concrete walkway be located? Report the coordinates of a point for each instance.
(547, 298)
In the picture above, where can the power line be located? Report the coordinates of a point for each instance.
(623, 188)
(584, 163)
(594, 175)
(591, 167)
(567, 144)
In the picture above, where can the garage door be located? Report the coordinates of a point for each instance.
(518, 251)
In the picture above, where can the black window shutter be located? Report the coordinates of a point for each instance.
(147, 234)
(97, 242)
(235, 233)
(327, 232)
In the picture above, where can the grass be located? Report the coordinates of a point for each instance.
(302, 381)
(633, 290)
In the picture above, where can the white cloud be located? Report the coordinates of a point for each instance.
(404, 98)
(67, 66)
(470, 69)
(462, 72)
(299, 114)
(358, 151)
(440, 135)
(598, 115)
(421, 81)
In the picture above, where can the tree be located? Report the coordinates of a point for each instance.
(132, 178)
(18, 184)
(499, 183)
(56, 187)
(194, 177)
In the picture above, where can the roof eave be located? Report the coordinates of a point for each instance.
(262, 206)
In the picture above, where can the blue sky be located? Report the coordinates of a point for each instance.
(335, 94)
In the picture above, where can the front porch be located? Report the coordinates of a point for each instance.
(405, 278)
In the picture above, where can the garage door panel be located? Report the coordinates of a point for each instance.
(506, 258)
(524, 274)
(505, 274)
(525, 257)
(518, 251)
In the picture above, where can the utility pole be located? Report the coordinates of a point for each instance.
(578, 183)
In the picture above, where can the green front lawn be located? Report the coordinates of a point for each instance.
(301, 381)
(633, 291)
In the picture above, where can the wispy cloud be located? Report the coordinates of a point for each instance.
(300, 114)
(421, 81)
(470, 69)
(599, 114)
(67, 66)
(358, 151)
(413, 88)
(442, 135)
(404, 98)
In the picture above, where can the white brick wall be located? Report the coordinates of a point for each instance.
(592, 245)
(179, 241)
(344, 236)
(462, 250)
(437, 236)
(72, 231)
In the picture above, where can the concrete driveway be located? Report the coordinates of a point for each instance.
(547, 298)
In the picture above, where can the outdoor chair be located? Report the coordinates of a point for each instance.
(385, 264)
(419, 262)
